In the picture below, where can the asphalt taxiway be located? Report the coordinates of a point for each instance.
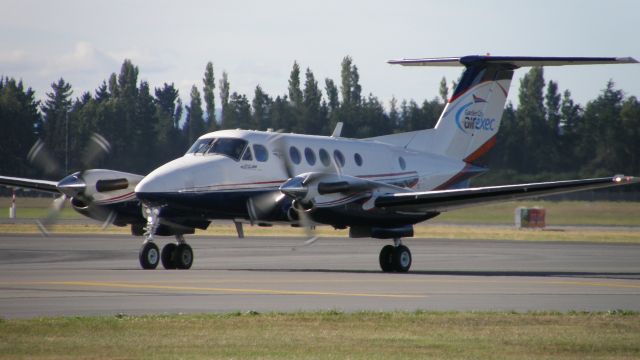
(99, 275)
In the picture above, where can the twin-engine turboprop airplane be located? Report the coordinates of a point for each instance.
(377, 187)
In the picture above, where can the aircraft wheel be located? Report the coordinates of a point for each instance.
(168, 256)
(183, 256)
(402, 258)
(149, 256)
(386, 258)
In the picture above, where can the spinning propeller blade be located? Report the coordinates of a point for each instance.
(72, 185)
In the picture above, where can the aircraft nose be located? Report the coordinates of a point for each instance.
(170, 178)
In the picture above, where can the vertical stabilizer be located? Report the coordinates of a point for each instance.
(470, 121)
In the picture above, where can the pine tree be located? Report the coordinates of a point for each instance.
(312, 119)
(394, 115)
(194, 124)
(224, 98)
(295, 94)
(532, 121)
(209, 99)
(19, 119)
(261, 109)
(444, 90)
(56, 115)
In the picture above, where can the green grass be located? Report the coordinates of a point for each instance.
(447, 225)
(558, 212)
(328, 335)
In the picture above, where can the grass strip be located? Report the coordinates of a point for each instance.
(597, 235)
(594, 213)
(328, 335)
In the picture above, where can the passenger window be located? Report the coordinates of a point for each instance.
(261, 152)
(324, 157)
(294, 155)
(247, 155)
(337, 155)
(310, 156)
(358, 159)
(403, 164)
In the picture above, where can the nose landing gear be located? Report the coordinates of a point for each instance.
(396, 257)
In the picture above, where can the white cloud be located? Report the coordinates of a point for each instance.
(85, 58)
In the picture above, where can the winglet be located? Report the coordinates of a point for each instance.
(338, 130)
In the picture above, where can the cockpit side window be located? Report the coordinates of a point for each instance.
(230, 147)
(247, 154)
(200, 146)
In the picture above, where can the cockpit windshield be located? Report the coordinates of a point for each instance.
(229, 147)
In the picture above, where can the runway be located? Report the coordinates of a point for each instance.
(100, 275)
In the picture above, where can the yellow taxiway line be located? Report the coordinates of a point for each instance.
(120, 285)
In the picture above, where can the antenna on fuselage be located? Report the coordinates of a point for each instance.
(338, 130)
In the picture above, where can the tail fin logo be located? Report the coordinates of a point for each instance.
(477, 99)
(469, 119)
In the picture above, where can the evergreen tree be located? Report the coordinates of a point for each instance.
(630, 121)
(532, 121)
(102, 92)
(599, 133)
(281, 114)
(238, 112)
(209, 99)
(394, 115)
(19, 119)
(570, 118)
(350, 90)
(261, 110)
(333, 105)
(194, 123)
(170, 138)
(444, 90)
(56, 115)
(224, 98)
(313, 120)
(295, 94)
(145, 131)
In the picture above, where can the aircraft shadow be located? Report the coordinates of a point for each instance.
(483, 273)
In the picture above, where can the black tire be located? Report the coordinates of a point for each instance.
(386, 258)
(168, 256)
(184, 256)
(149, 256)
(402, 259)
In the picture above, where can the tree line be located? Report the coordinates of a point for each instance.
(546, 137)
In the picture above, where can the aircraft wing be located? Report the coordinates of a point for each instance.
(33, 184)
(443, 200)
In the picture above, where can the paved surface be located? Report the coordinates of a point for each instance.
(99, 274)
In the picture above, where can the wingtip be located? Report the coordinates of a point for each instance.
(626, 179)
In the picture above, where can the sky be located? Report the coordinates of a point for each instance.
(256, 42)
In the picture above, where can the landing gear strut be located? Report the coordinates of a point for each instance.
(149, 253)
(396, 257)
(177, 255)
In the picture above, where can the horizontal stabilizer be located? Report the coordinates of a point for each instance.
(514, 61)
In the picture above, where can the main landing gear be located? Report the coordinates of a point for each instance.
(396, 257)
(178, 255)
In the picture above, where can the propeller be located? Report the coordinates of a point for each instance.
(74, 185)
(261, 205)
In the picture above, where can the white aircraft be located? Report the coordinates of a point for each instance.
(377, 187)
